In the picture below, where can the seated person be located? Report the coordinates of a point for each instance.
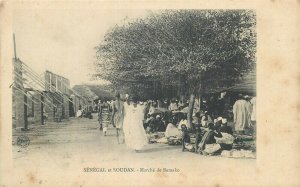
(173, 105)
(218, 123)
(186, 140)
(157, 124)
(183, 121)
(171, 131)
(147, 121)
(227, 139)
(79, 113)
(153, 108)
(161, 127)
(208, 143)
(225, 128)
(165, 103)
(195, 121)
(205, 119)
(172, 134)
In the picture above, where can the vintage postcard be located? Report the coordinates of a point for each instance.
(148, 93)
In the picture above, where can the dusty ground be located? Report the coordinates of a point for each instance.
(60, 152)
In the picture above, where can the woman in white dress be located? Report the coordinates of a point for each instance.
(135, 135)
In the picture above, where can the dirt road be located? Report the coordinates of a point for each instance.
(77, 152)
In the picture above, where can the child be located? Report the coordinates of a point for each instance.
(186, 140)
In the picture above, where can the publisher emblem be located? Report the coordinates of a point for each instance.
(23, 141)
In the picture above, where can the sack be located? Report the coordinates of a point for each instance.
(225, 139)
(211, 148)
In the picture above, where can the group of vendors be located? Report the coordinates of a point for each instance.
(212, 135)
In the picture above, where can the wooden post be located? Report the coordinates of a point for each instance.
(25, 113)
(15, 47)
(42, 109)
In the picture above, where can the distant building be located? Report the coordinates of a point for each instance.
(58, 89)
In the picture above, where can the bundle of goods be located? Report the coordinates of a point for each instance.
(244, 138)
(245, 142)
(157, 137)
(225, 139)
(238, 153)
(174, 141)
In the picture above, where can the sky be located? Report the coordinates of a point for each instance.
(62, 39)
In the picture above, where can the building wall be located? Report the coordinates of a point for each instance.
(18, 106)
(66, 108)
(76, 103)
(48, 109)
(59, 83)
(18, 109)
(30, 106)
(38, 109)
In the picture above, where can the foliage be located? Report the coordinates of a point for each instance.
(191, 49)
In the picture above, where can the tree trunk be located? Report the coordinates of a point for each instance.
(190, 111)
(200, 96)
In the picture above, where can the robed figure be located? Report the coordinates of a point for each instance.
(242, 114)
(118, 117)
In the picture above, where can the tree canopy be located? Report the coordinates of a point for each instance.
(190, 49)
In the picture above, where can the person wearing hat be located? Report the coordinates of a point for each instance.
(218, 123)
(157, 124)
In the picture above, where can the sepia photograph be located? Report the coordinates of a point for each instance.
(98, 94)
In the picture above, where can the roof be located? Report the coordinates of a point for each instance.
(93, 91)
(246, 85)
(85, 91)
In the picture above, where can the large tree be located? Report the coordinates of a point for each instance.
(199, 50)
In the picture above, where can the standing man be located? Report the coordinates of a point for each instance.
(241, 114)
(99, 115)
(253, 114)
(118, 117)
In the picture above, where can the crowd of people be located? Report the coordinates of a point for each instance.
(136, 123)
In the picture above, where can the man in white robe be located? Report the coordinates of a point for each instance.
(242, 113)
(253, 113)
